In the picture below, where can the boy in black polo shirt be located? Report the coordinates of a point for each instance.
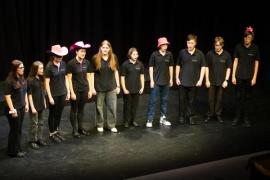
(244, 75)
(216, 77)
(132, 81)
(161, 78)
(79, 80)
(189, 72)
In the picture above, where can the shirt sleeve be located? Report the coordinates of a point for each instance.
(69, 67)
(208, 59)
(152, 60)
(47, 72)
(257, 55)
(171, 59)
(29, 86)
(229, 61)
(236, 52)
(8, 86)
(179, 59)
(123, 70)
(203, 63)
(142, 68)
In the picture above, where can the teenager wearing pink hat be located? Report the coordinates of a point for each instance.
(105, 84)
(16, 106)
(244, 75)
(161, 78)
(189, 73)
(56, 85)
(78, 73)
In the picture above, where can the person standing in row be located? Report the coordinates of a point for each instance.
(56, 85)
(132, 81)
(79, 78)
(217, 75)
(161, 78)
(16, 106)
(37, 103)
(105, 84)
(189, 73)
(244, 75)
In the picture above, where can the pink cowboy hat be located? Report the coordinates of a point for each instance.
(58, 50)
(162, 40)
(79, 45)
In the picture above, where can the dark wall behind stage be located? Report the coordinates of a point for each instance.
(29, 27)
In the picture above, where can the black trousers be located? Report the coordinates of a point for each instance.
(215, 94)
(131, 102)
(15, 133)
(55, 112)
(243, 97)
(77, 110)
(187, 101)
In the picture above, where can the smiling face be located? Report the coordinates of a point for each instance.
(20, 70)
(40, 70)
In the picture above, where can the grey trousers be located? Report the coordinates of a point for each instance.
(36, 126)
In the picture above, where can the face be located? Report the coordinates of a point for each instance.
(163, 47)
(191, 44)
(134, 55)
(20, 70)
(40, 70)
(105, 49)
(248, 39)
(218, 47)
(58, 58)
(81, 53)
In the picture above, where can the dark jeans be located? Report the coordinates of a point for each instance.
(215, 94)
(187, 101)
(243, 97)
(163, 91)
(77, 110)
(131, 102)
(15, 133)
(55, 112)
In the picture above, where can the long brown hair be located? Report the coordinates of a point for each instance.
(13, 76)
(111, 58)
(34, 69)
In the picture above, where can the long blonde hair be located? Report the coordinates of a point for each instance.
(111, 57)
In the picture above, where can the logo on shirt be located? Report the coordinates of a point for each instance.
(250, 54)
(222, 61)
(167, 60)
(194, 60)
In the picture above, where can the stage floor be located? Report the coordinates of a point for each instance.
(139, 151)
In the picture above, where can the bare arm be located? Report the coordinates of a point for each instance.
(31, 103)
(151, 76)
(254, 78)
(235, 63)
(207, 81)
(48, 90)
(88, 77)
(199, 83)
(116, 75)
(177, 72)
(171, 75)
(123, 84)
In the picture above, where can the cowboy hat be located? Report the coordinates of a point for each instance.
(79, 45)
(58, 50)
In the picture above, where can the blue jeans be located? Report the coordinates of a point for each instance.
(163, 91)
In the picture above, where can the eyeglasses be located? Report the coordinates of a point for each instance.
(20, 67)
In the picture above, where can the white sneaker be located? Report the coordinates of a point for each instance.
(149, 124)
(164, 121)
(100, 129)
(114, 130)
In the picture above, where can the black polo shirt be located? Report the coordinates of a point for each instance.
(57, 78)
(161, 66)
(132, 73)
(104, 77)
(246, 60)
(190, 66)
(17, 90)
(79, 71)
(35, 87)
(218, 64)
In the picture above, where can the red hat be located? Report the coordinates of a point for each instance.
(58, 50)
(162, 40)
(79, 45)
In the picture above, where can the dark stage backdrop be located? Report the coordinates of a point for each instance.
(29, 27)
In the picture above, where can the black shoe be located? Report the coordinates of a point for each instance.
(54, 138)
(207, 119)
(84, 132)
(60, 136)
(76, 134)
(135, 124)
(182, 120)
(235, 121)
(34, 145)
(17, 155)
(220, 119)
(126, 124)
(247, 122)
(41, 142)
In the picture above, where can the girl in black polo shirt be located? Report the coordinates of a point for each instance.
(56, 85)
(132, 81)
(105, 84)
(37, 103)
(17, 105)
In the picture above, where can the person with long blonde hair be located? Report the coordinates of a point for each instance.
(105, 84)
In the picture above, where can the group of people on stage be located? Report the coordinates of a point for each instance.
(80, 79)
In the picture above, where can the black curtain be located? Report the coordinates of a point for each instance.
(29, 27)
